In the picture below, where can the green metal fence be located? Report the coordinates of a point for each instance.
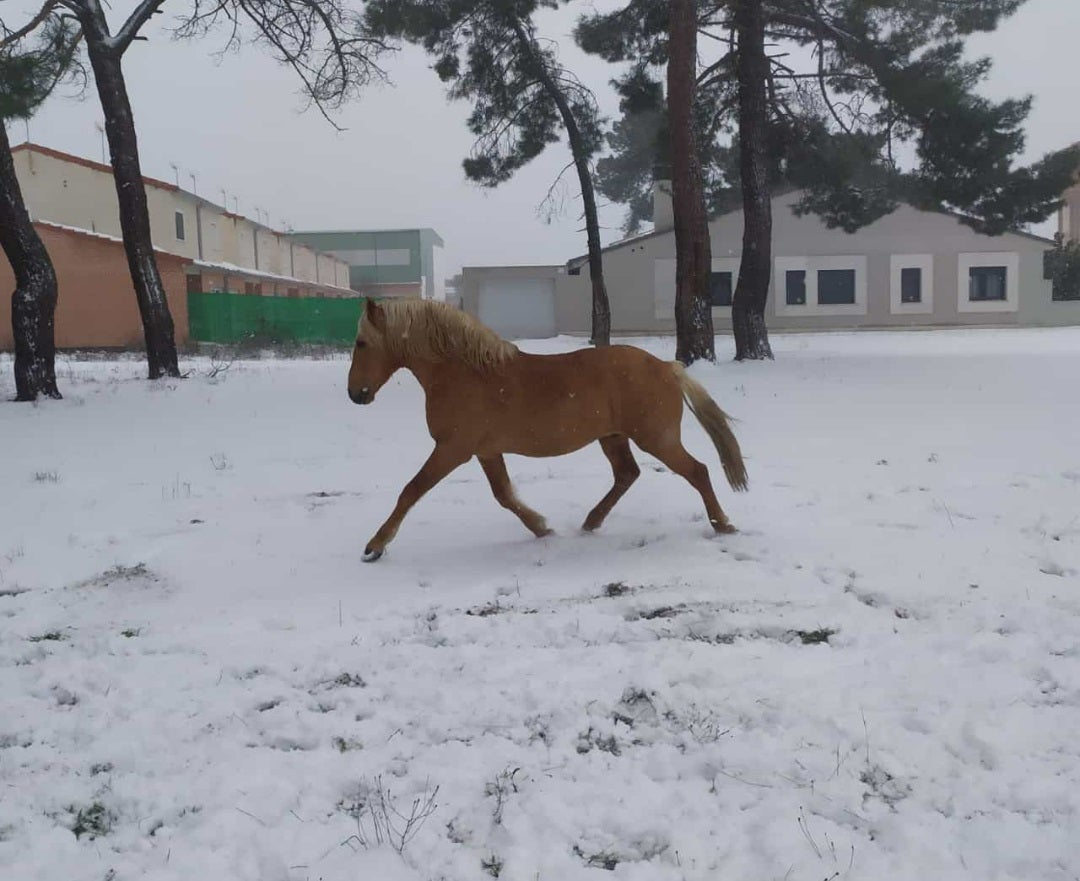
(231, 318)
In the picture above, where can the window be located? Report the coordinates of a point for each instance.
(986, 283)
(911, 284)
(179, 226)
(835, 287)
(194, 284)
(795, 280)
(825, 284)
(293, 292)
(377, 257)
(720, 288)
(253, 287)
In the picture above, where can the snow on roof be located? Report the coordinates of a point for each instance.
(202, 264)
(94, 234)
(258, 273)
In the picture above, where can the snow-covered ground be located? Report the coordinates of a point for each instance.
(877, 677)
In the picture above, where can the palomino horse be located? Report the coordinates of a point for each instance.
(486, 398)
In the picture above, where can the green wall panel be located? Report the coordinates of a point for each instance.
(230, 318)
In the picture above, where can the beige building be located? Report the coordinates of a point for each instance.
(225, 251)
(911, 268)
(94, 310)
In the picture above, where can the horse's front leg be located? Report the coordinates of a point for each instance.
(441, 462)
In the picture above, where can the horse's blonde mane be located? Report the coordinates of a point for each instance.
(430, 330)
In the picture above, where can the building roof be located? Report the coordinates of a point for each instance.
(272, 276)
(31, 147)
(192, 261)
(93, 234)
(437, 239)
(576, 262)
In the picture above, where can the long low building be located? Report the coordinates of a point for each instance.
(97, 307)
(210, 260)
(911, 268)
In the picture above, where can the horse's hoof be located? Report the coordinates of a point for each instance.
(724, 528)
(371, 556)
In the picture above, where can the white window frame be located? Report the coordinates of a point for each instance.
(811, 265)
(664, 285)
(923, 262)
(968, 259)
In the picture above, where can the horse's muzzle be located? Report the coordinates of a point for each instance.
(363, 396)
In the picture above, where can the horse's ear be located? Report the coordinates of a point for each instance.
(375, 314)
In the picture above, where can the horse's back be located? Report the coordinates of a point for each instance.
(554, 404)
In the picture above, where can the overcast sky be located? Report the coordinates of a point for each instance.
(236, 123)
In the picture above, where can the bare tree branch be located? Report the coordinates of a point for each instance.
(123, 37)
(324, 42)
(10, 37)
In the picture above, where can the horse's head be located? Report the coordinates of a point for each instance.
(372, 362)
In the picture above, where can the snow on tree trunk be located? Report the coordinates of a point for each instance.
(748, 305)
(693, 252)
(33, 304)
(134, 216)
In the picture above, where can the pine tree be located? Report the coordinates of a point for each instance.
(523, 97)
(693, 248)
(28, 73)
(847, 83)
(322, 41)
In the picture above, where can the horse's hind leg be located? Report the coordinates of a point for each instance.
(671, 452)
(441, 462)
(495, 469)
(617, 449)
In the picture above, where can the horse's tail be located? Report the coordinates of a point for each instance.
(715, 422)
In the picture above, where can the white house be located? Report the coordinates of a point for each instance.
(910, 268)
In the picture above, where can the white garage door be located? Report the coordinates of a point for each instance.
(520, 308)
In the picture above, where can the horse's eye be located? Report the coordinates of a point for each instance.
(360, 344)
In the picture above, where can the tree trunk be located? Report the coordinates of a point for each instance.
(693, 251)
(601, 308)
(33, 304)
(752, 291)
(131, 195)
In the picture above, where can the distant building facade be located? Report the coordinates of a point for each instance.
(202, 248)
(97, 307)
(227, 250)
(385, 263)
(911, 268)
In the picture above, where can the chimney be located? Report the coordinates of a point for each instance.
(663, 213)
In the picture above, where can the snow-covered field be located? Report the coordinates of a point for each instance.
(878, 677)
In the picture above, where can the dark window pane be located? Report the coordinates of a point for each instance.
(720, 288)
(835, 286)
(194, 284)
(795, 279)
(911, 284)
(179, 226)
(986, 283)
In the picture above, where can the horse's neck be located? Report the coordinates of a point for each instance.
(434, 376)
(426, 373)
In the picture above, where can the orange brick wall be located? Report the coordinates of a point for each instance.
(96, 306)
